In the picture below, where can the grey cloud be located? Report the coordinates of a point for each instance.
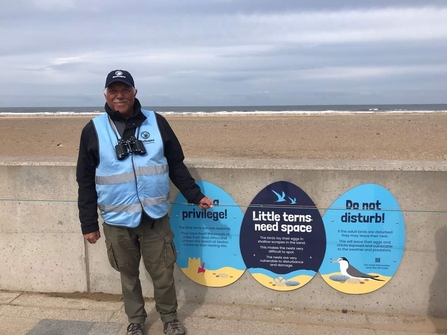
(226, 52)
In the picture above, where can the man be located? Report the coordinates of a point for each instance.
(126, 158)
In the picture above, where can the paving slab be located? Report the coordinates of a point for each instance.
(41, 300)
(7, 297)
(16, 325)
(63, 327)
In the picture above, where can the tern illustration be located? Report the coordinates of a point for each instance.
(281, 197)
(348, 270)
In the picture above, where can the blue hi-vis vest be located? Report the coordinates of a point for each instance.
(128, 186)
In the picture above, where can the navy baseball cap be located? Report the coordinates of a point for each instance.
(121, 76)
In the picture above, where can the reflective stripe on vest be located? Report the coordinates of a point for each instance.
(137, 182)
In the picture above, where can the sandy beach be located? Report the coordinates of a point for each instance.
(344, 136)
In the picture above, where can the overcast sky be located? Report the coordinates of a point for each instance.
(224, 52)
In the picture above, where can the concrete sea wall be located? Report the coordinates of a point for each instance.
(43, 250)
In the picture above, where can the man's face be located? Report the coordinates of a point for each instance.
(121, 98)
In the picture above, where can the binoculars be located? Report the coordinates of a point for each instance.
(132, 145)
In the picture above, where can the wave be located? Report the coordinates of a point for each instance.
(223, 113)
(298, 112)
(235, 110)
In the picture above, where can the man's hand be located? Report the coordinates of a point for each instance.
(92, 237)
(205, 203)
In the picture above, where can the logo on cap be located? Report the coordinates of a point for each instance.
(119, 74)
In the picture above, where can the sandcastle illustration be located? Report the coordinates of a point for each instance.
(195, 263)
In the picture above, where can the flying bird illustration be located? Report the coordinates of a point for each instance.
(292, 201)
(348, 270)
(280, 196)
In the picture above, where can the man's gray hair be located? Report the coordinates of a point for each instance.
(133, 88)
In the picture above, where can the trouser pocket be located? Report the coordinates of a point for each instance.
(170, 251)
(111, 255)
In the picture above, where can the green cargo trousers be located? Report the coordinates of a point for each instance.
(154, 241)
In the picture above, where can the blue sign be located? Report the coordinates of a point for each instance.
(282, 237)
(366, 240)
(207, 241)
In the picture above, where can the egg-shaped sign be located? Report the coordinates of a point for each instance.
(207, 241)
(282, 237)
(366, 240)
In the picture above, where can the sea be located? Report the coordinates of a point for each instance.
(232, 110)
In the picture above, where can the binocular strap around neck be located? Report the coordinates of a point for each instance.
(117, 128)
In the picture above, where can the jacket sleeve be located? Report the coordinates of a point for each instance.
(178, 172)
(88, 160)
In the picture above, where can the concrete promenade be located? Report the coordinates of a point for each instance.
(72, 314)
